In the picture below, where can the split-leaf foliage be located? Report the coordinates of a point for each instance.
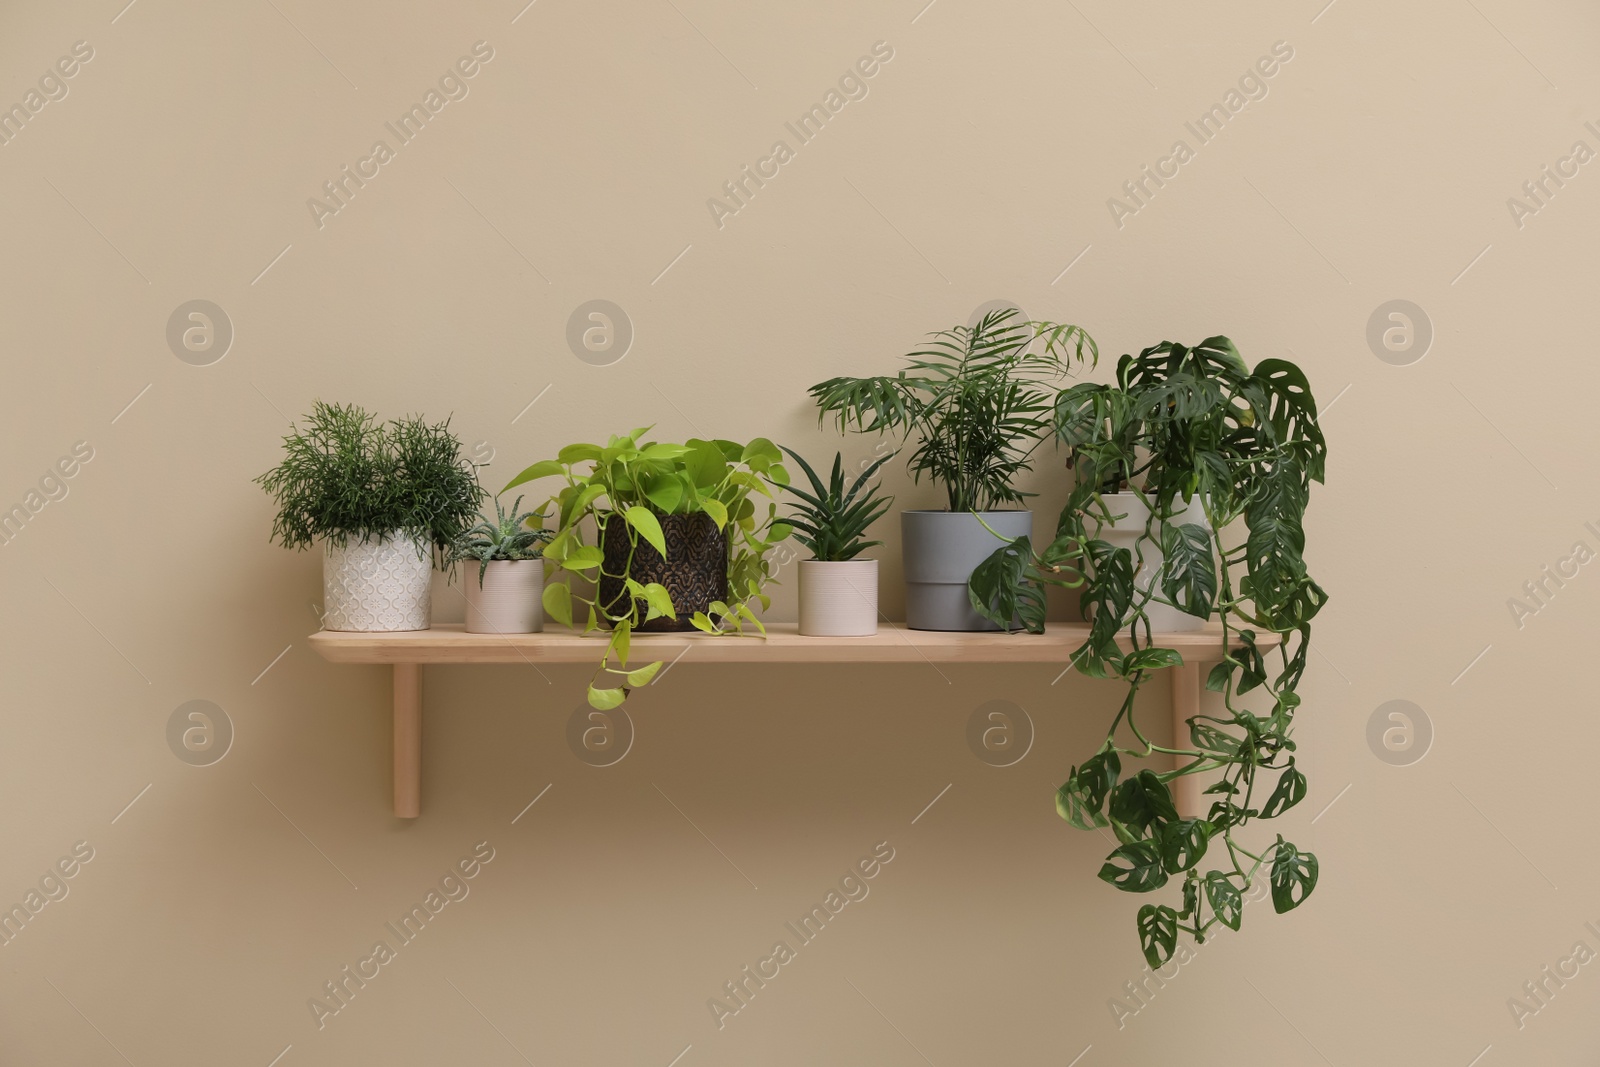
(1182, 423)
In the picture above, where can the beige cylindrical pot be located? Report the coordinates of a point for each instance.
(839, 599)
(1129, 533)
(377, 586)
(508, 599)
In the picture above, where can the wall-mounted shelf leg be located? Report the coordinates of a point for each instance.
(407, 740)
(1186, 791)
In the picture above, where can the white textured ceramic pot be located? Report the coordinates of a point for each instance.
(941, 550)
(509, 597)
(372, 586)
(1127, 533)
(839, 599)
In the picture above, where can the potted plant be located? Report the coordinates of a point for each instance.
(979, 399)
(838, 592)
(504, 596)
(1200, 441)
(677, 543)
(377, 495)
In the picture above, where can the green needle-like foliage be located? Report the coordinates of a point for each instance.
(345, 477)
(831, 520)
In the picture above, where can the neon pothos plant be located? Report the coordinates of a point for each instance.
(1182, 423)
(633, 482)
(979, 398)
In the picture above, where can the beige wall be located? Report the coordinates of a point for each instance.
(979, 165)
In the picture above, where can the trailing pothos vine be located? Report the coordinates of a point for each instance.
(1182, 423)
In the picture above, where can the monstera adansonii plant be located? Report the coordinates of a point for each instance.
(1182, 423)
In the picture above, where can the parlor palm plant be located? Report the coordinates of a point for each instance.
(979, 401)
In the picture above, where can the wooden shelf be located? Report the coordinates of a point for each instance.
(894, 643)
(406, 652)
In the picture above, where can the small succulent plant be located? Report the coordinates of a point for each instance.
(831, 520)
(506, 536)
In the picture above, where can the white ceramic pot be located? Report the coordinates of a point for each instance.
(373, 586)
(839, 599)
(508, 599)
(1129, 533)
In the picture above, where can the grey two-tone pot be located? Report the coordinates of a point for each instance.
(941, 549)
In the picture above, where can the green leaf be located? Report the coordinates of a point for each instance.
(1273, 561)
(1151, 659)
(1183, 844)
(1209, 738)
(621, 642)
(1158, 934)
(742, 611)
(1292, 412)
(760, 454)
(1003, 588)
(1226, 899)
(716, 509)
(561, 544)
(558, 602)
(1142, 800)
(1291, 791)
(1217, 679)
(665, 493)
(661, 453)
(1190, 576)
(1135, 867)
(705, 464)
(643, 675)
(543, 469)
(574, 505)
(659, 600)
(578, 454)
(1294, 876)
(644, 520)
(606, 699)
(1254, 671)
(583, 558)
(1107, 595)
(1080, 799)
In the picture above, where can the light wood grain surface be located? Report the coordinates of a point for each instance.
(892, 644)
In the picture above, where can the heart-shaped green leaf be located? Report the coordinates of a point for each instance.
(558, 602)
(649, 527)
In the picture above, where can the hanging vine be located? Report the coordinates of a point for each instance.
(1179, 424)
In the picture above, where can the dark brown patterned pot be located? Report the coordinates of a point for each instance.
(695, 571)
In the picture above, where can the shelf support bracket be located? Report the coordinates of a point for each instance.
(1187, 790)
(407, 740)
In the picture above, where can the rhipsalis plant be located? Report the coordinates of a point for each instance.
(979, 398)
(347, 477)
(1182, 423)
(628, 485)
